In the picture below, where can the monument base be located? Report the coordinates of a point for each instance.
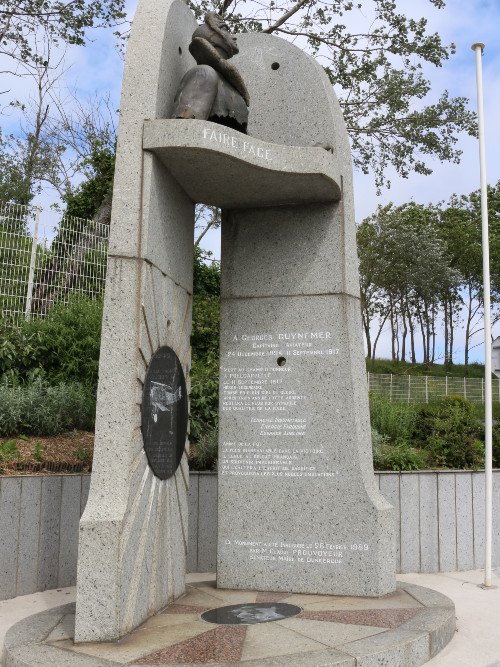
(407, 627)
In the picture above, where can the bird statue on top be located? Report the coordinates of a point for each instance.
(214, 89)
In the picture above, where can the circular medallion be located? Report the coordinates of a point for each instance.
(251, 613)
(164, 412)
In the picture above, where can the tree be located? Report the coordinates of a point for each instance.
(376, 69)
(21, 21)
(407, 265)
(460, 229)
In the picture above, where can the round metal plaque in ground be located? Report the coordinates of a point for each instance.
(251, 613)
(164, 412)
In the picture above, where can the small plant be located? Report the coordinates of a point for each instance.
(402, 456)
(38, 452)
(8, 453)
(83, 454)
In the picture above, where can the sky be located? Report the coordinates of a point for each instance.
(98, 68)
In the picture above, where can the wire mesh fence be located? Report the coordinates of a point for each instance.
(45, 256)
(425, 389)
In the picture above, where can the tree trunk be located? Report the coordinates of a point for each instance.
(433, 322)
(393, 350)
(412, 338)
(405, 330)
(422, 331)
(451, 334)
(446, 335)
(376, 340)
(366, 327)
(467, 333)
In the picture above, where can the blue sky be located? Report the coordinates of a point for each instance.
(98, 68)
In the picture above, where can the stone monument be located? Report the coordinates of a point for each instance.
(298, 506)
(299, 512)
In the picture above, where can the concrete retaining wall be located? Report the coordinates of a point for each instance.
(440, 526)
(39, 518)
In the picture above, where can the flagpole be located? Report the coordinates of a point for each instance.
(478, 47)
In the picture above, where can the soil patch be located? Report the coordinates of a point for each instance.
(69, 452)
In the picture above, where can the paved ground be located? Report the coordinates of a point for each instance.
(476, 644)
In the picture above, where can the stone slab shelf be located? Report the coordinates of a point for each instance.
(205, 157)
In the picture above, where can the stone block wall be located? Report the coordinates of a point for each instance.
(39, 518)
(439, 525)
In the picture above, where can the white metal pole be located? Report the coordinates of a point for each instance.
(34, 245)
(478, 48)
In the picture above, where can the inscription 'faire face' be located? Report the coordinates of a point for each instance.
(164, 413)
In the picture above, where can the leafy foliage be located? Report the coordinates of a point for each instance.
(204, 396)
(64, 347)
(377, 70)
(14, 185)
(452, 434)
(446, 434)
(399, 456)
(22, 20)
(99, 168)
(396, 421)
(422, 263)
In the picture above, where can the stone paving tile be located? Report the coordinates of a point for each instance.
(144, 640)
(269, 640)
(65, 629)
(202, 598)
(183, 609)
(396, 629)
(398, 647)
(220, 645)
(272, 597)
(398, 600)
(331, 634)
(226, 596)
(378, 618)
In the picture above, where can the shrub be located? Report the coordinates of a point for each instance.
(42, 409)
(63, 347)
(204, 453)
(206, 326)
(496, 445)
(204, 396)
(451, 434)
(395, 420)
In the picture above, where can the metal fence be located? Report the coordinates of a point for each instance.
(45, 256)
(422, 389)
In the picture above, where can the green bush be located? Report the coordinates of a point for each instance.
(204, 453)
(451, 434)
(63, 347)
(41, 409)
(395, 420)
(204, 396)
(496, 445)
(206, 326)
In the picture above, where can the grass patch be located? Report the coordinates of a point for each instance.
(386, 366)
